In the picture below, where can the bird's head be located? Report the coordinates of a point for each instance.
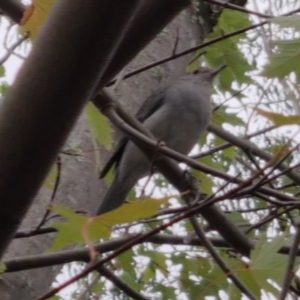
(207, 74)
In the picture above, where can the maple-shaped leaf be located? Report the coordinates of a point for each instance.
(277, 118)
(51, 177)
(72, 230)
(100, 127)
(284, 60)
(132, 211)
(78, 229)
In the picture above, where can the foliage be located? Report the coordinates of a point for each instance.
(282, 61)
(84, 230)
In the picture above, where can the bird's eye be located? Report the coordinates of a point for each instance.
(196, 71)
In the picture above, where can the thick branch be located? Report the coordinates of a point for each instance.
(59, 258)
(12, 8)
(48, 95)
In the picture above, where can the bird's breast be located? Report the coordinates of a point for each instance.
(184, 116)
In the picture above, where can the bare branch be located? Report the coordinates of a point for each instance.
(82, 254)
(119, 283)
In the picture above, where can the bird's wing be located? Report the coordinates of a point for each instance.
(152, 104)
(115, 158)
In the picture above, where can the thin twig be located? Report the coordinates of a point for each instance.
(119, 283)
(200, 46)
(221, 263)
(88, 287)
(12, 48)
(269, 219)
(228, 145)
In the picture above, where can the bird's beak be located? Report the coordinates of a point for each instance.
(217, 70)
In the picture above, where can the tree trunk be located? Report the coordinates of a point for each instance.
(79, 186)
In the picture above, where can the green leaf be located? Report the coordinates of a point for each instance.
(221, 116)
(230, 152)
(51, 177)
(55, 297)
(197, 266)
(100, 127)
(98, 288)
(101, 130)
(263, 251)
(227, 51)
(213, 281)
(234, 293)
(195, 61)
(206, 182)
(132, 281)
(4, 85)
(72, 231)
(266, 263)
(79, 229)
(126, 262)
(285, 60)
(159, 261)
(148, 274)
(287, 21)
(193, 291)
(109, 178)
(203, 138)
(277, 118)
(242, 271)
(2, 267)
(247, 278)
(237, 217)
(167, 292)
(132, 211)
(275, 271)
(209, 161)
(232, 20)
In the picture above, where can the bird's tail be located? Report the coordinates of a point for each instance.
(115, 196)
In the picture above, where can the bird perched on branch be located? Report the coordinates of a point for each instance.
(176, 115)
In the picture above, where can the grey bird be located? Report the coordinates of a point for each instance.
(176, 115)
